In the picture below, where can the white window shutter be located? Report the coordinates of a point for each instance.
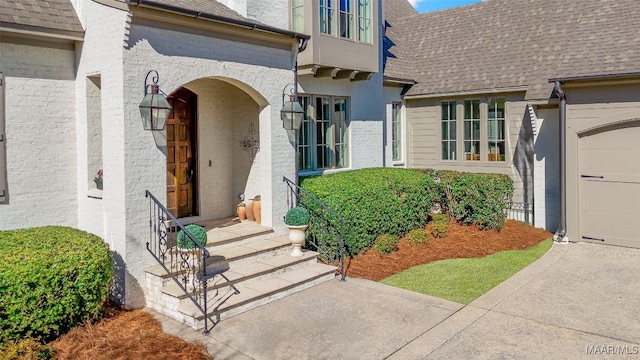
(3, 145)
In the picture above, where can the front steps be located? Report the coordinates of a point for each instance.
(247, 268)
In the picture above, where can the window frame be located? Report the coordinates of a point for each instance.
(336, 133)
(397, 151)
(449, 140)
(327, 7)
(484, 152)
(501, 139)
(346, 27)
(469, 137)
(295, 6)
(364, 7)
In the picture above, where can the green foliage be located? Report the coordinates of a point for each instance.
(440, 230)
(199, 233)
(464, 280)
(386, 244)
(417, 237)
(51, 279)
(440, 219)
(26, 349)
(480, 199)
(297, 216)
(375, 201)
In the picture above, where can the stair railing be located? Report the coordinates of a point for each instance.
(326, 227)
(187, 267)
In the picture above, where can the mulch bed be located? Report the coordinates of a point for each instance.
(125, 335)
(462, 242)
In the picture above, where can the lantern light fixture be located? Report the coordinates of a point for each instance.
(291, 113)
(154, 108)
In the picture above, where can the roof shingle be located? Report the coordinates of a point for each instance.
(50, 14)
(515, 43)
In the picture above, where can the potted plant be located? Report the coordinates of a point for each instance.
(257, 207)
(297, 220)
(184, 243)
(98, 179)
(241, 211)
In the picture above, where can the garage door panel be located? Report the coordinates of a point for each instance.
(609, 185)
(610, 161)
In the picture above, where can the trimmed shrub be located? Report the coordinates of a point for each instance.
(26, 349)
(199, 233)
(440, 219)
(375, 201)
(480, 199)
(51, 280)
(386, 244)
(418, 237)
(440, 230)
(297, 216)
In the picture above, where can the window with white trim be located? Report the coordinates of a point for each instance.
(354, 18)
(496, 130)
(297, 16)
(396, 131)
(326, 16)
(449, 129)
(472, 130)
(364, 21)
(346, 19)
(323, 140)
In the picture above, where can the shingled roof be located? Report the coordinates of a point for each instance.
(212, 7)
(393, 56)
(42, 15)
(514, 44)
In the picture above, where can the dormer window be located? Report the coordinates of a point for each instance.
(354, 18)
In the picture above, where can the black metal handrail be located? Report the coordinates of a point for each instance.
(187, 267)
(326, 227)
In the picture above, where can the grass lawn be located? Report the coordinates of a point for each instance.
(464, 280)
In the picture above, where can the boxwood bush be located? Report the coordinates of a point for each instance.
(480, 199)
(385, 244)
(51, 279)
(376, 201)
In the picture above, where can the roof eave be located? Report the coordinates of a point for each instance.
(20, 30)
(600, 77)
(444, 94)
(398, 81)
(217, 18)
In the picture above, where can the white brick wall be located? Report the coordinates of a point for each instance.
(188, 60)
(40, 131)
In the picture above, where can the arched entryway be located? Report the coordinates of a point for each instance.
(213, 148)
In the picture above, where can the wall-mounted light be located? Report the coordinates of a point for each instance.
(154, 108)
(291, 113)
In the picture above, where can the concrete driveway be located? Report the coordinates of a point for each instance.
(578, 301)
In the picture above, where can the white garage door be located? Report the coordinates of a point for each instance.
(609, 200)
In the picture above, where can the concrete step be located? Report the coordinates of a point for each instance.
(248, 273)
(238, 234)
(223, 304)
(221, 260)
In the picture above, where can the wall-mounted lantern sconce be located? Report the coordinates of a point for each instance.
(292, 112)
(154, 108)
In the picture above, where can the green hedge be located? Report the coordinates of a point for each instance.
(376, 201)
(480, 199)
(51, 279)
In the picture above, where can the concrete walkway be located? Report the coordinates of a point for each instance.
(578, 298)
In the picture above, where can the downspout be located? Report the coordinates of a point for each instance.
(560, 235)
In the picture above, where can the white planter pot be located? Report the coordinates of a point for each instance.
(297, 236)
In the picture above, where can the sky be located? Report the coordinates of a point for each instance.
(432, 5)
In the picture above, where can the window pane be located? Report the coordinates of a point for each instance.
(449, 129)
(326, 16)
(364, 20)
(297, 15)
(396, 131)
(496, 130)
(346, 19)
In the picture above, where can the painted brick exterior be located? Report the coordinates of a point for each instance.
(40, 128)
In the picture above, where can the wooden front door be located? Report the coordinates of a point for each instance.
(181, 154)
